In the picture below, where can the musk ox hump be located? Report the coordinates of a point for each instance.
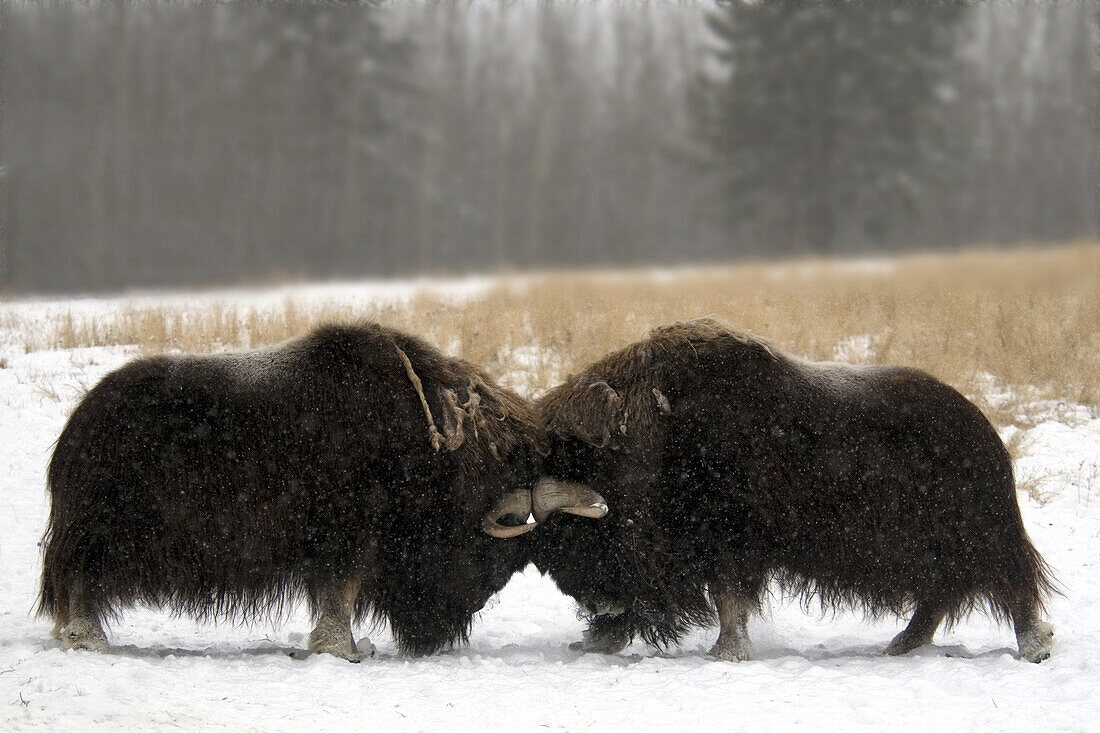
(588, 412)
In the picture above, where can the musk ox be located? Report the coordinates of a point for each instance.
(728, 465)
(234, 484)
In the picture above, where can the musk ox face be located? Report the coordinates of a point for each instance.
(357, 467)
(729, 465)
(623, 568)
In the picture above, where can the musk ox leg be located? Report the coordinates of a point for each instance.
(79, 626)
(1034, 636)
(926, 619)
(606, 634)
(332, 634)
(733, 643)
(61, 611)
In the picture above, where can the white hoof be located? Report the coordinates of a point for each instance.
(1036, 642)
(84, 635)
(336, 639)
(739, 651)
(344, 650)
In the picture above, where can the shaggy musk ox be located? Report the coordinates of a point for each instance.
(231, 485)
(728, 464)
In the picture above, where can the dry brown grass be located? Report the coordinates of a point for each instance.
(1027, 317)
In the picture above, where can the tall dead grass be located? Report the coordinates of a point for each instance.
(1027, 317)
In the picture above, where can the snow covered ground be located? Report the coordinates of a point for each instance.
(517, 672)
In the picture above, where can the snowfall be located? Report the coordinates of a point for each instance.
(517, 671)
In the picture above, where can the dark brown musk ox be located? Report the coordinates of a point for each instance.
(728, 465)
(232, 485)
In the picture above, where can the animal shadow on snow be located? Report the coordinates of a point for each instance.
(819, 653)
(162, 652)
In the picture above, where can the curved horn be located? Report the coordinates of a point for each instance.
(551, 495)
(517, 503)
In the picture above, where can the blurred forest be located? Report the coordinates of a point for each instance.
(164, 143)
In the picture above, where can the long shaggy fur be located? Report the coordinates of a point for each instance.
(728, 464)
(232, 485)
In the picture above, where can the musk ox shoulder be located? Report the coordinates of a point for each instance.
(356, 467)
(729, 465)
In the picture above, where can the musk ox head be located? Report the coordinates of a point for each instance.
(508, 517)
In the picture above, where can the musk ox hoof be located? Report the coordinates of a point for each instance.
(903, 644)
(601, 643)
(350, 652)
(739, 652)
(355, 657)
(896, 650)
(332, 635)
(1036, 642)
(84, 635)
(597, 647)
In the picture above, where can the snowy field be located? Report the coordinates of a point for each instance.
(517, 672)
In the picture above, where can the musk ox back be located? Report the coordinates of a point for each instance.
(728, 464)
(355, 467)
